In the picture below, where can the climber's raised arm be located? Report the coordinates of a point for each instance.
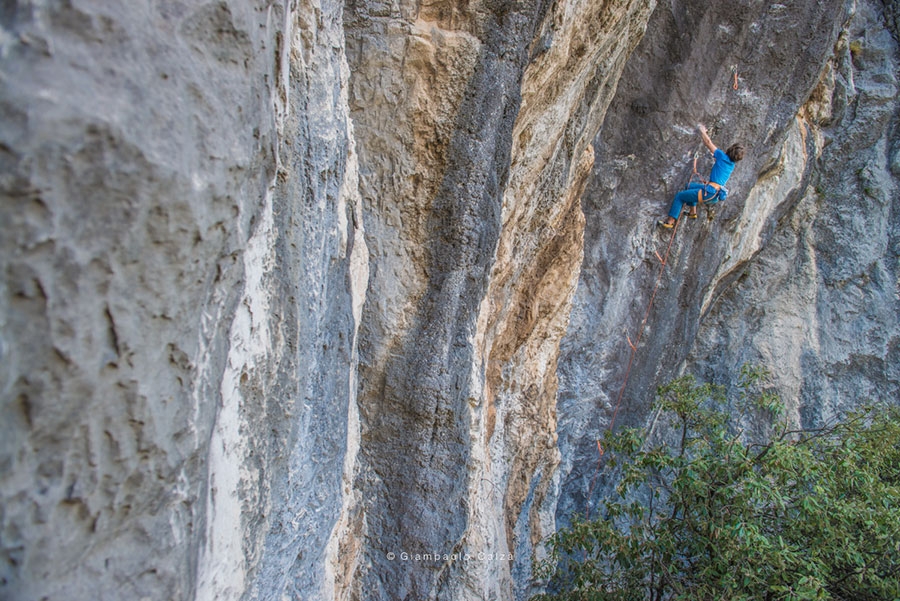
(710, 191)
(705, 137)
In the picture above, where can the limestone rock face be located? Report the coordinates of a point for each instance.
(798, 270)
(474, 123)
(179, 297)
(820, 299)
(303, 300)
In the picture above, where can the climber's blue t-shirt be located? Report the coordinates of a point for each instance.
(721, 169)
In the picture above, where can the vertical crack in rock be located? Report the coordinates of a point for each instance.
(416, 412)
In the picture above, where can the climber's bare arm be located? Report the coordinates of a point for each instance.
(705, 137)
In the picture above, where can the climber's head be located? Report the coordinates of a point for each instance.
(735, 152)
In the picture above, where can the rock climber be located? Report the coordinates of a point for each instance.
(709, 192)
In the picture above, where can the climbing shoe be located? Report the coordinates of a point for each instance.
(665, 224)
(693, 213)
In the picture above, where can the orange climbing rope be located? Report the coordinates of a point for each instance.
(663, 260)
(695, 172)
(702, 180)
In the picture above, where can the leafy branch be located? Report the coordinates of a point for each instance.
(791, 514)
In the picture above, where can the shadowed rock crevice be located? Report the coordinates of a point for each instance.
(416, 429)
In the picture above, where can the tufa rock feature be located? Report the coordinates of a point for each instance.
(474, 125)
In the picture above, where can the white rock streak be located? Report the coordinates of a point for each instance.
(221, 567)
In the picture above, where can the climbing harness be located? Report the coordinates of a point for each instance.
(712, 198)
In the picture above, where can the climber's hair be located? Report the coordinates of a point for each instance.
(735, 152)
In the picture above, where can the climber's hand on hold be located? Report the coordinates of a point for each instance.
(705, 136)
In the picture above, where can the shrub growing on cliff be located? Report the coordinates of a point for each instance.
(793, 514)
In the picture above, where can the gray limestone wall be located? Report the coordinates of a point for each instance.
(474, 122)
(820, 300)
(179, 293)
(311, 300)
(815, 107)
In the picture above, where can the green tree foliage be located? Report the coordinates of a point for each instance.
(718, 513)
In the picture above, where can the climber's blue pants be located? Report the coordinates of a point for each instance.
(689, 196)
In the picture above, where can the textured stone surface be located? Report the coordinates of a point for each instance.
(211, 213)
(180, 289)
(757, 283)
(474, 122)
(819, 303)
(566, 91)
